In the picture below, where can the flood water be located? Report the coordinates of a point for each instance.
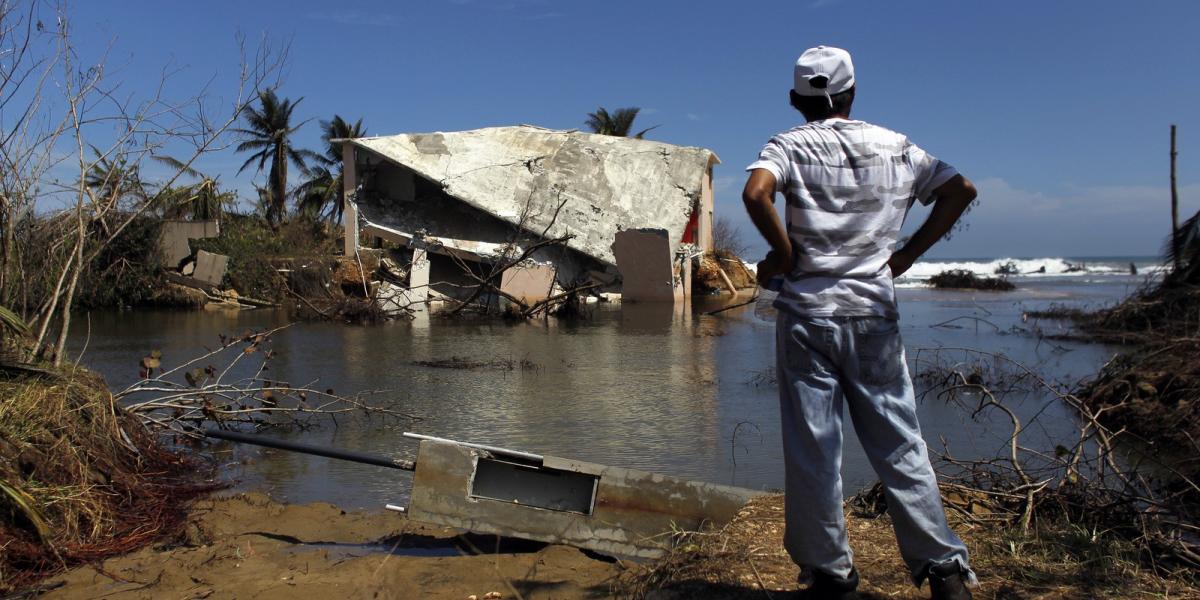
(640, 386)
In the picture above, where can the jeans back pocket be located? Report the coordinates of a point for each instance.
(880, 351)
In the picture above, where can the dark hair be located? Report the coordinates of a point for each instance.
(815, 108)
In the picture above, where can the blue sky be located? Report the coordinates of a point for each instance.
(1059, 111)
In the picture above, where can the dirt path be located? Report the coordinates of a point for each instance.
(247, 546)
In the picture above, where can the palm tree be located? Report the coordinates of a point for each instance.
(114, 179)
(618, 123)
(322, 195)
(268, 135)
(198, 201)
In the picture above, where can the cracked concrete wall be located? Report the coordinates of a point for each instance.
(396, 197)
(588, 185)
(176, 236)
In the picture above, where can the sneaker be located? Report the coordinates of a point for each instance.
(946, 582)
(829, 587)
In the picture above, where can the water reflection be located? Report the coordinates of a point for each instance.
(645, 386)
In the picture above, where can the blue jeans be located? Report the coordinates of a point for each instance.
(823, 363)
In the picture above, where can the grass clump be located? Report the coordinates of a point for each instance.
(79, 478)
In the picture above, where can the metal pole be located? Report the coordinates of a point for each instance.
(358, 457)
(1174, 206)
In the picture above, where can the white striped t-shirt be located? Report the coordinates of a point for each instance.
(848, 185)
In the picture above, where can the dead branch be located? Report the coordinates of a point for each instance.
(1103, 477)
(63, 100)
(528, 244)
(181, 400)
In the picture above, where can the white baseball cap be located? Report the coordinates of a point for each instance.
(823, 71)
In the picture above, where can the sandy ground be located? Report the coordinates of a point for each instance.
(247, 546)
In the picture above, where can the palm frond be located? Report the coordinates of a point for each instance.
(176, 164)
(29, 507)
(618, 122)
(261, 155)
(641, 134)
(13, 322)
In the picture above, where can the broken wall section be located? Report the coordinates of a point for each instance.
(400, 207)
(650, 272)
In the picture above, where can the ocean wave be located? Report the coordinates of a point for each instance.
(1027, 267)
(920, 272)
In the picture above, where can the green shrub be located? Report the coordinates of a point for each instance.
(254, 249)
(127, 271)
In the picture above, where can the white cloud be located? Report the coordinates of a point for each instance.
(1072, 220)
(999, 199)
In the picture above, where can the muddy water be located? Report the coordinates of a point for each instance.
(641, 386)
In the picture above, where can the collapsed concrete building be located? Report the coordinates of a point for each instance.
(634, 211)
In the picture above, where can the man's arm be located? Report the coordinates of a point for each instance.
(759, 198)
(953, 197)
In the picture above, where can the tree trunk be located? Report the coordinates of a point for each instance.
(1175, 249)
(60, 348)
(278, 185)
(48, 315)
(6, 244)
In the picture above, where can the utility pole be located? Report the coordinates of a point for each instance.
(1174, 206)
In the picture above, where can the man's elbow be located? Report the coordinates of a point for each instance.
(756, 198)
(969, 191)
(958, 192)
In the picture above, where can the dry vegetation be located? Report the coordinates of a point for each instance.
(1150, 390)
(745, 559)
(86, 473)
(708, 277)
(81, 479)
(1097, 515)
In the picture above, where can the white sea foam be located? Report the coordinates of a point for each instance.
(1025, 267)
(1098, 269)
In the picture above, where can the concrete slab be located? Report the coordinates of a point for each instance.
(210, 268)
(644, 258)
(590, 186)
(173, 240)
(529, 283)
(608, 509)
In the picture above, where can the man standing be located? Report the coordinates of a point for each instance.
(848, 186)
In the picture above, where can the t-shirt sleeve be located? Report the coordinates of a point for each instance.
(930, 173)
(774, 159)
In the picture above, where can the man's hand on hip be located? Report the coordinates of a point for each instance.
(900, 262)
(776, 263)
